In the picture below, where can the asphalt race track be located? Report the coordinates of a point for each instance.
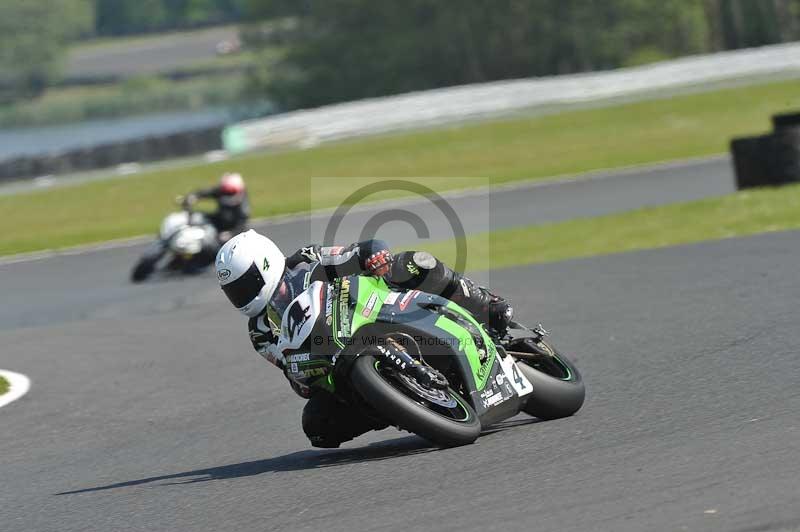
(149, 55)
(92, 285)
(149, 410)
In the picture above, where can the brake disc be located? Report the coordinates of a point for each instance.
(435, 396)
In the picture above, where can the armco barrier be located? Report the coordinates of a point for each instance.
(113, 154)
(772, 159)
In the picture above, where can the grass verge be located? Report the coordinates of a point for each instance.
(4, 385)
(740, 214)
(502, 151)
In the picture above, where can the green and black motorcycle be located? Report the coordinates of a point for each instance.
(334, 336)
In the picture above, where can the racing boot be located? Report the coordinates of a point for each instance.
(328, 421)
(488, 308)
(421, 270)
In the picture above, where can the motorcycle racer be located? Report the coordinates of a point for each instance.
(233, 207)
(261, 283)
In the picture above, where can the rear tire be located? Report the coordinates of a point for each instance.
(411, 415)
(558, 389)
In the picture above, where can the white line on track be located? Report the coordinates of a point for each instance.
(20, 384)
(555, 181)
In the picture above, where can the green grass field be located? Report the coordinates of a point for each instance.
(4, 386)
(740, 214)
(501, 151)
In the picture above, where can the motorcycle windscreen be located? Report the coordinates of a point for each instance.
(245, 289)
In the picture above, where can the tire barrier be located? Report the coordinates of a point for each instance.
(772, 159)
(786, 120)
(108, 155)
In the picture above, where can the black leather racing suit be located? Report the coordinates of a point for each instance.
(327, 421)
(233, 210)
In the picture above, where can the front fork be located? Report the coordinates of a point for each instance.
(394, 355)
(400, 360)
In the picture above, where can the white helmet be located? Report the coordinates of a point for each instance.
(249, 268)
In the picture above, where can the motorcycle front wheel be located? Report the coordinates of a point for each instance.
(440, 416)
(143, 269)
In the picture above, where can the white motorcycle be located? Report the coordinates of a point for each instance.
(187, 243)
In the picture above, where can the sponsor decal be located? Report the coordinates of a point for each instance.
(391, 298)
(492, 396)
(306, 280)
(407, 299)
(464, 287)
(301, 357)
(266, 264)
(308, 253)
(391, 357)
(344, 307)
(509, 389)
(329, 306)
(293, 367)
(370, 306)
(485, 367)
(297, 317)
(500, 378)
(335, 250)
(412, 268)
(223, 274)
(493, 400)
(316, 372)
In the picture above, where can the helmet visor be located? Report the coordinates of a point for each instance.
(246, 288)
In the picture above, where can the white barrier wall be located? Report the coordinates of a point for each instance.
(453, 104)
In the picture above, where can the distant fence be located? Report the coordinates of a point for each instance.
(449, 105)
(146, 149)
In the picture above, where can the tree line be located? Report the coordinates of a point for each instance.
(125, 17)
(32, 38)
(34, 33)
(338, 50)
(348, 49)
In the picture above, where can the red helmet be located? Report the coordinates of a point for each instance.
(231, 184)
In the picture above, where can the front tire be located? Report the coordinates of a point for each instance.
(143, 269)
(411, 413)
(558, 389)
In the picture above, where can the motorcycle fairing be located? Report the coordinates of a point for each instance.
(490, 381)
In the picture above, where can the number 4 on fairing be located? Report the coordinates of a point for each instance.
(520, 383)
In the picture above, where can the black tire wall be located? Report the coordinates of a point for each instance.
(109, 155)
(769, 160)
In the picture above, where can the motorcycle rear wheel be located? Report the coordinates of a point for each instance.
(399, 404)
(558, 389)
